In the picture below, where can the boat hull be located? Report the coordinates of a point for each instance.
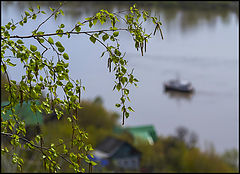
(184, 89)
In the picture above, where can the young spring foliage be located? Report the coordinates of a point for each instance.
(49, 75)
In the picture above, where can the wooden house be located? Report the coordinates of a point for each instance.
(117, 155)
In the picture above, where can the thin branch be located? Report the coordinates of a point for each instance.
(48, 18)
(83, 23)
(101, 43)
(27, 18)
(9, 82)
(64, 33)
(41, 45)
(36, 146)
(53, 48)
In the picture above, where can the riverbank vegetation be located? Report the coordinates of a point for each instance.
(174, 153)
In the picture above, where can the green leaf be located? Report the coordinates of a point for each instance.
(50, 40)
(59, 83)
(122, 99)
(127, 114)
(41, 78)
(118, 86)
(112, 38)
(117, 52)
(40, 33)
(62, 26)
(87, 19)
(61, 49)
(33, 48)
(34, 16)
(124, 70)
(74, 117)
(113, 28)
(79, 23)
(8, 25)
(93, 39)
(55, 16)
(90, 24)
(69, 119)
(59, 116)
(78, 28)
(93, 163)
(41, 40)
(13, 27)
(102, 20)
(95, 21)
(123, 80)
(135, 80)
(65, 56)
(52, 9)
(37, 138)
(19, 41)
(58, 44)
(105, 37)
(27, 14)
(3, 67)
(21, 23)
(38, 7)
(130, 109)
(30, 9)
(117, 105)
(131, 9)
(116, 33)
(61, 12)
(60, 31)
(68, 34)
(25, 19)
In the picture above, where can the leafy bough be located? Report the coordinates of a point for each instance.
(42, 73)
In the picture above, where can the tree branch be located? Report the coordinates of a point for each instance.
(36, 146)
(48, 18)
(64, 33)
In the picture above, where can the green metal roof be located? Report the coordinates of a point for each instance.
(25, 113)
(146, 133)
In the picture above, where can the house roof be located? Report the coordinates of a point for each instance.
(146, 132)
(25, 113)
(109, 145)
(113, 147)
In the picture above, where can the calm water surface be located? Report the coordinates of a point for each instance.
(199, 46)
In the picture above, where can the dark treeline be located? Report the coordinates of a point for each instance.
(192, 13)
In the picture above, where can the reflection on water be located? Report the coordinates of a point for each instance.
(188, 14)
(179, 95)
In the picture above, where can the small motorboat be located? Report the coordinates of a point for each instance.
(178, 85)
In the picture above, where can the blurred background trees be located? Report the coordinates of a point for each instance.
(175, 153)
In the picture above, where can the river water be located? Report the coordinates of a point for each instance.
(201, 46)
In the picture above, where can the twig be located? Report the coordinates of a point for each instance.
(48, 18)
(38, 147)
